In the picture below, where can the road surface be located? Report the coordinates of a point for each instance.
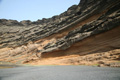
(60, 73)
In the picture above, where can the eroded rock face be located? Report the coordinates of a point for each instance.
(32, 31)
(104, 23)
(88, 18)
(9, 22)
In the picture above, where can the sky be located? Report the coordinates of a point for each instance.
(33, 9)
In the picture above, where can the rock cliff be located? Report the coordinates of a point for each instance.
(91, 26)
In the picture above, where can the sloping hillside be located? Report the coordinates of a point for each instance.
(92, 27)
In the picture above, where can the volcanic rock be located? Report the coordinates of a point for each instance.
(92, 26)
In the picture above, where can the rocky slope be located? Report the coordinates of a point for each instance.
(92, 26)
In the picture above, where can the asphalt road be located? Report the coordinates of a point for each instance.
(60, 73)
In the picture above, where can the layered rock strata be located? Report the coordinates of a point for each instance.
(89, 27)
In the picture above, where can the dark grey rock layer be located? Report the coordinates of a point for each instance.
(107, 21)
(14, 33)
